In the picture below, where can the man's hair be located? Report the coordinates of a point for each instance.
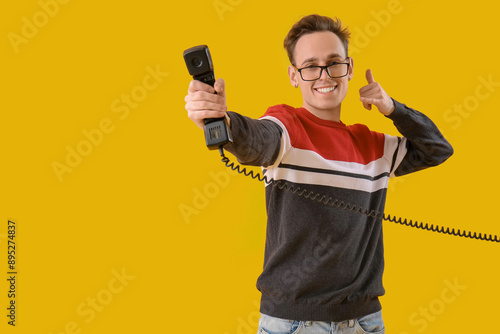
(313, 23)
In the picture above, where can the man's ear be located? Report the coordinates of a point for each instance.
(351, 69)
(292, 73)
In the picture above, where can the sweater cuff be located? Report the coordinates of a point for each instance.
(400, 114)
(234, 129)
(399, 111)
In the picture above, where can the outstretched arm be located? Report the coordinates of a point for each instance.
(255, 142)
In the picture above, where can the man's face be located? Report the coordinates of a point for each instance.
(324, 96)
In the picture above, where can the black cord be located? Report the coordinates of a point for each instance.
(352, 207)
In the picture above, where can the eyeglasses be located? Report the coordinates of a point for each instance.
(334, 70)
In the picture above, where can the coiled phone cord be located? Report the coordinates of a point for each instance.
(352, 207)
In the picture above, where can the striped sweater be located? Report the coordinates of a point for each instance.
(322, 263)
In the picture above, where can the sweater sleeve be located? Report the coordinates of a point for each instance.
(425, 145)
(255, 142)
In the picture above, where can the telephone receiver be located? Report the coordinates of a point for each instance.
(200, 66)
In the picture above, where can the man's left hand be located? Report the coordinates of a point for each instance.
(373, 93)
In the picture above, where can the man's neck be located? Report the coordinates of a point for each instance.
(329, 115)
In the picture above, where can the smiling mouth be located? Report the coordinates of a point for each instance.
(325, 90)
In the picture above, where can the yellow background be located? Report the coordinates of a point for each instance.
(119, 209)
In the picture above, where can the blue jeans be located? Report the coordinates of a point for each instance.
(370, 324)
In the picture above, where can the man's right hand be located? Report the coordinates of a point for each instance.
(201, 102)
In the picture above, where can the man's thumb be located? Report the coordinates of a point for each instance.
(369, 76)
(220, 87)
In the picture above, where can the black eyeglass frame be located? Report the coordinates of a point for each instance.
(323, 68)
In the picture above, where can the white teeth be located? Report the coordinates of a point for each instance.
(325, 90)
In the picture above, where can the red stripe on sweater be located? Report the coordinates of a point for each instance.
(339, 142)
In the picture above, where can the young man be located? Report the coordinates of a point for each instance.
(323, 265)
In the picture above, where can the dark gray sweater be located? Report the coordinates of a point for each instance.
(323, 263)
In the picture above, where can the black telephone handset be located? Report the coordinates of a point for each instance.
(200, 66)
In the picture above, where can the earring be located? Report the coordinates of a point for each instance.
(296, 85)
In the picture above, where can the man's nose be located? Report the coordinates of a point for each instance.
(324, 74)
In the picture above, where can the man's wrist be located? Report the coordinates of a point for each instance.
(397, 107)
